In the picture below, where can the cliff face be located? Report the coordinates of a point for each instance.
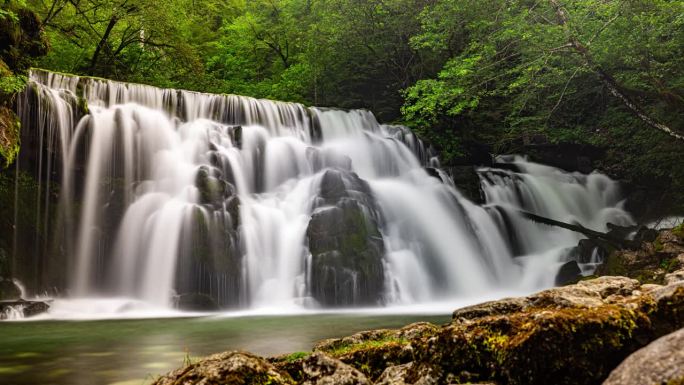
(22, 40)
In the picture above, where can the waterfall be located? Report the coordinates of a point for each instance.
(257, 203)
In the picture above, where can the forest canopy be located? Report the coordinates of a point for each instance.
(506, 73)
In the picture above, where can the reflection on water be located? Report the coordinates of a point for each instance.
(134, 352)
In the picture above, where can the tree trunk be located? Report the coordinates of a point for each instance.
(103, 41)
(576, 227)
(610, 82)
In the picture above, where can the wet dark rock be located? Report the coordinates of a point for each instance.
(347, 252)
(587, 247)
(567, 156)
(209, 263)
(9, 290)
(27, 308)
(568, 272)
(645, 234)
(345, 243)
(196, 302)
(433, 173)
(213, 190)
(622, 232)
(467, 181)
(235, 368)
(236, 136)
(660, 362)
(233, 209)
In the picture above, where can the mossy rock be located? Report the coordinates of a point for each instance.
(651, 261)
(345, 243)
(9, 136)
(373, 351)
(574, 334)
(238, 368)
(569, 335)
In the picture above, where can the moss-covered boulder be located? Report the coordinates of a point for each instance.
(575, 334)
(238, 368)
(345, 243)
(374, 351)
(651, 261)
(570, 335)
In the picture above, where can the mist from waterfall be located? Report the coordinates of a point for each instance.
(165, 192)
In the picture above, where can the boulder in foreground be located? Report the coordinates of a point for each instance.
(575, 334)
(660, 362)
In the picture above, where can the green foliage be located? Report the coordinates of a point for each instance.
(501, 72)
(8, 9)
(12, 84)
(292, 357)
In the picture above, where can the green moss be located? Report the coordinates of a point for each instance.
(613, 265)
(676, 381)
(679, 231)
(296, 356)
(9, 135)
(658, 245)
(538, 345)
(348, 348)
(83, 106)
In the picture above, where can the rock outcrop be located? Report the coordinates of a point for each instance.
(660, 362)
(650, 262)
(21, 308)
(238, 368)
(345, 243)
(575, 334)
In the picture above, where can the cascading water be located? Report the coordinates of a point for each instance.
(259, 203)
(592, 200)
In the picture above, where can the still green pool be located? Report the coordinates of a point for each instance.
(135, 352)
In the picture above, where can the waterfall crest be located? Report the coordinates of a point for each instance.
(254, 203)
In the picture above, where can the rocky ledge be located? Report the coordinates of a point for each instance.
(575, 334)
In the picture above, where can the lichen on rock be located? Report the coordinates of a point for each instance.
(651, 261)
(575, 334)
(238, 368)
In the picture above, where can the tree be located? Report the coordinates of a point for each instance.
(516, 70)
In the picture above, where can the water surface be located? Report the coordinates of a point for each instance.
(134, 352)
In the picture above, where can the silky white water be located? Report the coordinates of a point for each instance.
(165, 192)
